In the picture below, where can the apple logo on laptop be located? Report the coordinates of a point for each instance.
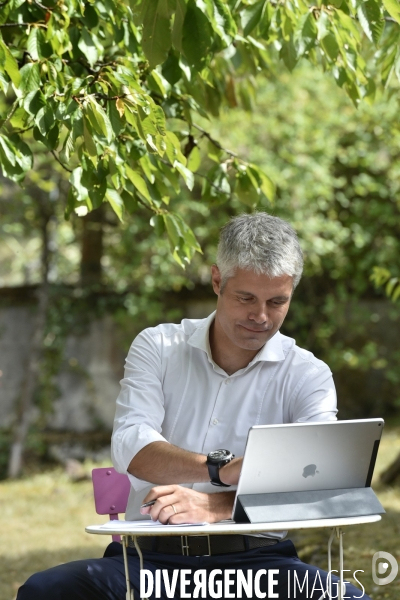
(310, 471)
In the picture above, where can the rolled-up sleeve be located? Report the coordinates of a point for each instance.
(140, 404)
(314, 398)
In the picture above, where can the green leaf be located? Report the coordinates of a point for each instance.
(173, 148)
(158, 83)
(68, 147)
(33, 102)
(138, 182)
(30, 78)
(251, 16)
(9, 64)
(396, 292)
(387, 66)
(370, 17)
(221, 20)
(98, 118)
(194, 159)
(97, 193)
(157, 221)
(173, 230)
(186, 174)
(178, 25)
(45, 120)
(88, 47)
(245, 190)
(24, 155)
(393, 8)
(197, 36)
(288, 54)
(156, 38)
(391, 284)
(323, 25)
(8, 149)
(265, 184)
(36, 44)
(330, 46)
(188, 235)
(130, 201)
(90, 145)
(116, 202)
(171, 69)
(306, 34)
(82, 192)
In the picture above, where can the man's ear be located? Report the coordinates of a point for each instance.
(216, 279)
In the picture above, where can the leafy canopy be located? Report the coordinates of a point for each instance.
(115, 90)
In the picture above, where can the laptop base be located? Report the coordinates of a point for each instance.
(306, 505)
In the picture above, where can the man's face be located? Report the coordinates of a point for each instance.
(251, 308)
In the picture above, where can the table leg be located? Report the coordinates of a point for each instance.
(329, 582)
(129, 592)
(340, 536)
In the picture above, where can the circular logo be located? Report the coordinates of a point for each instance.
(382, 568)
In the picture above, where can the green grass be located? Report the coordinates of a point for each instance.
(43, 519)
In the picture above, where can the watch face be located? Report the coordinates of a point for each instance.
(218, 455)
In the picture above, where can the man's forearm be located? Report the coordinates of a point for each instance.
(162, 463)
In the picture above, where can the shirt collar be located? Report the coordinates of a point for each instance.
(271, 351)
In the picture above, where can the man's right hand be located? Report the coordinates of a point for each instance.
(176, 504)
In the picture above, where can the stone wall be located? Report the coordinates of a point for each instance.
(91, 368)
(93, 361)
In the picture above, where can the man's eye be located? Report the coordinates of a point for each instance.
(243, 299)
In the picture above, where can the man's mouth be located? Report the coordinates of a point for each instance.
(254, 330)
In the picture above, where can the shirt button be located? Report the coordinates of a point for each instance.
(227, 381)
(215, 421)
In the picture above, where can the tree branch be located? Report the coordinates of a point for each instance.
(215, 142)
(46, 8)
(60, 162)
(18, 24)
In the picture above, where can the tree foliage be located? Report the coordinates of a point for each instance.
(116, 90)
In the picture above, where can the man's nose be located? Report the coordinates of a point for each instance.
(259, 314)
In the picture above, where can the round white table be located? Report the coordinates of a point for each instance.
(131, 529)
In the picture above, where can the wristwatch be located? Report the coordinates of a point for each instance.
(215, 460)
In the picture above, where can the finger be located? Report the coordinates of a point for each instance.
(162, 510)
(161, 490)
(154, 494)
(167, 513)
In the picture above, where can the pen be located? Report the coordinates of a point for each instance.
(148, 504)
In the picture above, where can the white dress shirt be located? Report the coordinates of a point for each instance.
(173, 391)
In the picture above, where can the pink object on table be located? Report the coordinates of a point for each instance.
(111, 491)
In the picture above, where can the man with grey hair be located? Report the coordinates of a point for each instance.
(193, 389)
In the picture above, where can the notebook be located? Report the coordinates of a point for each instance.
(302, 471)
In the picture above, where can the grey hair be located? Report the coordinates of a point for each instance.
(260, 243)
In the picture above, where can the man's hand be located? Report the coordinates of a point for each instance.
(190, 506)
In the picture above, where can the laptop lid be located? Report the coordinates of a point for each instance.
(301, 457)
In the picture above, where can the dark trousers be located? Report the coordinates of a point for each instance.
(273, 570)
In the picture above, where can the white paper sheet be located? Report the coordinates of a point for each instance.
(145, 523)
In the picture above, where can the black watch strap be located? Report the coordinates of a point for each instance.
(216, 460)
(213, 471)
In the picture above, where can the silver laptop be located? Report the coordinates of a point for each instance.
(311, 470)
